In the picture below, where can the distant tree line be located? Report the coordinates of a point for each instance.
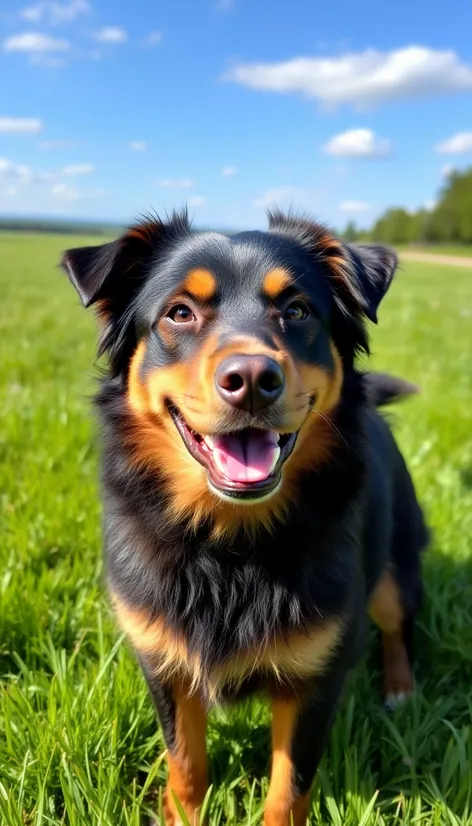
(448, 222)
(59, 226)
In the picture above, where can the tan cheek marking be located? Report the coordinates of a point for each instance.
(200, 283)
(137, 393)
(276, 281)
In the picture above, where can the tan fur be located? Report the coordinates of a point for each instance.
(201, 284)
(276, 281)
(282, 808)
(155, 442)
(187, 761)
(299, 655)
(386, 610)
(398, 677)
(385, 606)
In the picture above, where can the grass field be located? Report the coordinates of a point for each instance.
(78, 740)
(463, 250)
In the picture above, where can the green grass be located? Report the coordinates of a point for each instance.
(462, 250)
(80, 743)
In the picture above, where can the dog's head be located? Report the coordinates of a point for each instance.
(231, 351)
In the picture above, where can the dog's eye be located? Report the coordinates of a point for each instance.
(181, 314)
(296, 311)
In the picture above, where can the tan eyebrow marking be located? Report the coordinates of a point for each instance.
(200, 283)
(276, 281)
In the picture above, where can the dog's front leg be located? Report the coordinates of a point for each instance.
(300, 729)
(183, 720)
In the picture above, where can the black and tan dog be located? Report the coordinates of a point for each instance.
(256, 505)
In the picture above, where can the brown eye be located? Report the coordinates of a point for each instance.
(296, 311)
(181, 314)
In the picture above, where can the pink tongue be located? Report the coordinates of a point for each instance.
(249, 456)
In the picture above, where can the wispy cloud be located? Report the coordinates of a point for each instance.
(35, 43)
(176, 183)
(153, 38)
(196, 200)
(111, 34)
(224, 5)
(358, 143)
(355, 206)
(361, 79)
(459, 144)
(72, 170)
(51, 145)
(20, 126)
(286, 196)
(138, 146)
(228, 171)
(55, 13)
(19, 172)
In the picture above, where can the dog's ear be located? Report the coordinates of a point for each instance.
(370, 275)
(103, 272)
(360, 274)
(111, 275)
(89, 268)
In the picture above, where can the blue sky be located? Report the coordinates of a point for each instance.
(109, 108)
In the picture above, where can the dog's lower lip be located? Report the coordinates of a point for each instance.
(201, 447)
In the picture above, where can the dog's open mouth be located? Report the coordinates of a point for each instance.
(245, 464)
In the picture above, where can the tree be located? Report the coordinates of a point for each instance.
(450, 220)
(350, 233)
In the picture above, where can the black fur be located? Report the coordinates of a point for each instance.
(351, 517)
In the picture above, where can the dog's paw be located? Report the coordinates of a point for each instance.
(397, 694)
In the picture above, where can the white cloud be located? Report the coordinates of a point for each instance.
(138, 146)
(153, 38)
(55, 13)
(70, 193)
(285, 196)
(19, 172)
(224, 5)
(11, 191)
(459, 144)
(46, 145)
(430, 205)
(78, 169)
(228, 171)
(20, 126)
(358, 143)
(111, 34)
(362, 79)
(196, 200)
(176, 183)
(35, 43)
(355, 206)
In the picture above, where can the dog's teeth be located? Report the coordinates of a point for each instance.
(275, 459)
(209, 442)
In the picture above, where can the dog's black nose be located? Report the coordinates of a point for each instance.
(249, 382)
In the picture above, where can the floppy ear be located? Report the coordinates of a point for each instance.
(89, 268)
(360, 274)
(103, 271)
(371, 270)
(111, 276)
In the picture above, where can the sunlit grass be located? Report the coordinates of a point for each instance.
(78, 739)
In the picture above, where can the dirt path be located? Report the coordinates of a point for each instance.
(432, 258)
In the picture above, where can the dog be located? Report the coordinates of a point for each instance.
(256, 506)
